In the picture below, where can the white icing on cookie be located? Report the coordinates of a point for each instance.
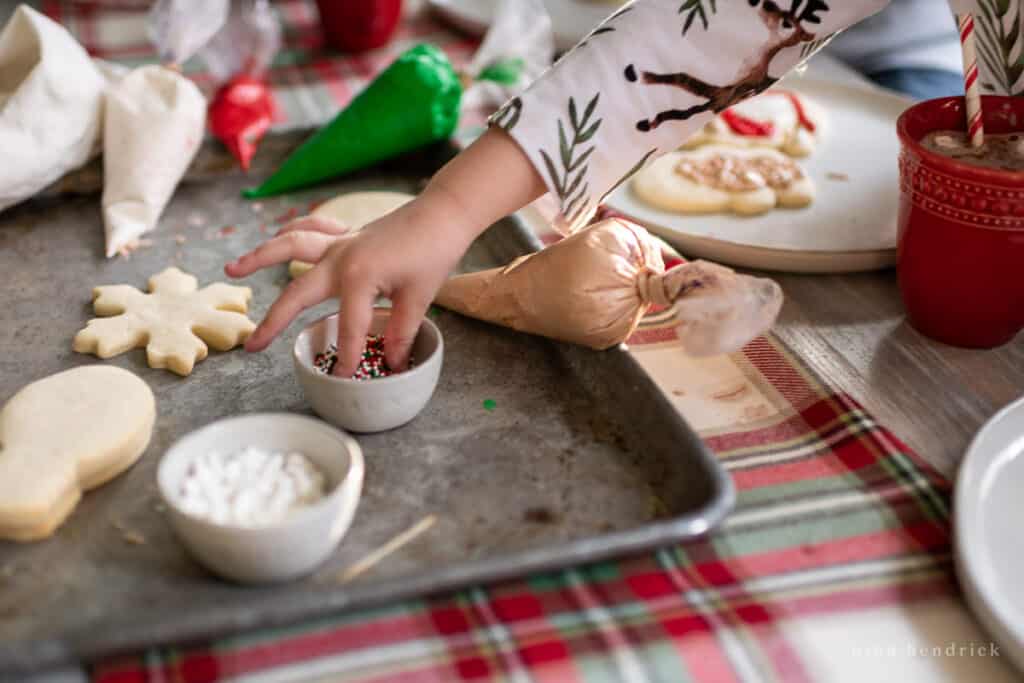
(720, 179)
(776, 109)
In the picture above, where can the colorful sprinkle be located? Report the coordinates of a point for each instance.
(371, 366)
(490, 404)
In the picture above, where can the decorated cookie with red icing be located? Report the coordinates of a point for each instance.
(778, 119)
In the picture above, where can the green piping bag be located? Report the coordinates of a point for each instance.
(414, 102)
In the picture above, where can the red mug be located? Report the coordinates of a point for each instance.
(359, 25)
(961, 230)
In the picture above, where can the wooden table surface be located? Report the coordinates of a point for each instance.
(851, 329)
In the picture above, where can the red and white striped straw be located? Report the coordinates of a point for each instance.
(972, 89)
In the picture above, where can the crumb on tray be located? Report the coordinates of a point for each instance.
(539, 515)
(128, 535)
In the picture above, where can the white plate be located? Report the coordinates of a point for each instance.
(988, 507)
(850, 226)
(571, 20)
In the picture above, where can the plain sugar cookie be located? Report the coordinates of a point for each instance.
(720, 179)
(355, 210)
(63, 435)
(776, 119)
(173, 321)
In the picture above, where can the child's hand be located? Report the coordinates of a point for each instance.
(404, 256)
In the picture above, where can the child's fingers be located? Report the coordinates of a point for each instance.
(353, 326)
(303, 246)
(327, 226)
(300, 294)
(407, 312)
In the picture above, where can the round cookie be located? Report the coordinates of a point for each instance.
(356, 210)
(663, 186)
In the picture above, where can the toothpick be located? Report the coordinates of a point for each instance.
(382, 552)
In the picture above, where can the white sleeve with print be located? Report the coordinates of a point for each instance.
(651, 75)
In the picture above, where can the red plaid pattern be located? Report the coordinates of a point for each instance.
(834, 514)
(310, 83)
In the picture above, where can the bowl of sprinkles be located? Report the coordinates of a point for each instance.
(376, 397)
(262, 498)
(372, 364)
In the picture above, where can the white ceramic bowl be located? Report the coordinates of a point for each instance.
(373, 405)
(285, 550)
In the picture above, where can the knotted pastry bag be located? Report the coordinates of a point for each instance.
(593, 287)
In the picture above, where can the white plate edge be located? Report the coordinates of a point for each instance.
(966, 507)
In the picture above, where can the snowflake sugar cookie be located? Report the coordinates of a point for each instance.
(172, 321)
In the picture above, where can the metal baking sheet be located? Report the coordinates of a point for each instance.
(581, 458)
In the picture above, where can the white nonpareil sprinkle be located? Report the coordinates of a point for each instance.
(249, 487)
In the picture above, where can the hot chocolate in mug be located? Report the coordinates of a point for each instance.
(961, 229)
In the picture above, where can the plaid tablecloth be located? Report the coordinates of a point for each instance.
(310, 83)
(834, 566)
(834, 515)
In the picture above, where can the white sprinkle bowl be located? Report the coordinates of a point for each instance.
(284, 550)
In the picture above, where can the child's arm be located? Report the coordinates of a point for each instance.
(652, 75)
(405, 256)
(637, 87)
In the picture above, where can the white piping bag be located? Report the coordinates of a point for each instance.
(154, 122)
(518, 48)
(51, 105)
